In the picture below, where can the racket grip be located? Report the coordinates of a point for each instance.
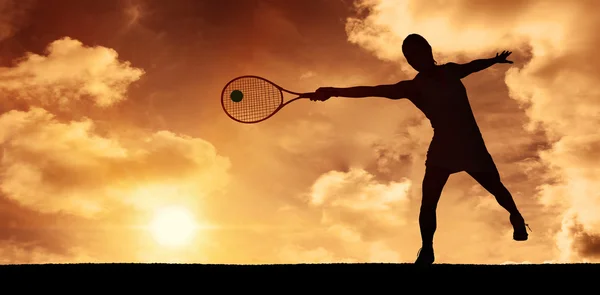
(307, 95)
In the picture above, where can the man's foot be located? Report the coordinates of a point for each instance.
(519, 227)
(425, 256)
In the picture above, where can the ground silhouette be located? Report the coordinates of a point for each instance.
(372, 278)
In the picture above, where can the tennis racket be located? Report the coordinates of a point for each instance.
(252, 99)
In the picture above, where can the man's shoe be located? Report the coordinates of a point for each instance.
(425, 256)
(519, 227)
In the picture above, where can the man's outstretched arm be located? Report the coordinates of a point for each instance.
(402, 89)
(477, 65)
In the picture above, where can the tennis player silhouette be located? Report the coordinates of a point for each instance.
(457, 143)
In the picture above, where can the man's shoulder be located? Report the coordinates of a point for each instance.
(408, 88)
(450, 66)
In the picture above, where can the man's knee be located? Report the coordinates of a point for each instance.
(496, 187)
(431, 197)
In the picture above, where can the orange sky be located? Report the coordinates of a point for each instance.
(112, 131)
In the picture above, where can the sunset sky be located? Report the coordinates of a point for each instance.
(115, 147)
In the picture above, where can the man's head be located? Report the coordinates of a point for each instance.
(418, 52)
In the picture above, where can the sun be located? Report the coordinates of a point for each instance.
(173, 226)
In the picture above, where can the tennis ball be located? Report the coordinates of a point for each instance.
(237, 96)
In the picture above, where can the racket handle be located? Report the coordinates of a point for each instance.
(307, 95)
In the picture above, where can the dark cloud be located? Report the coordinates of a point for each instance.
(33, 231)
(586, 244)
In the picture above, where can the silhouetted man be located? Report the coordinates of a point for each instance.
(457, 144)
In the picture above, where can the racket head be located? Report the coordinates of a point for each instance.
(251, 99)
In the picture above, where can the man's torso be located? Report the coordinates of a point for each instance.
(442, 97)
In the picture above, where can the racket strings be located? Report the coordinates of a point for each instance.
(259, 99)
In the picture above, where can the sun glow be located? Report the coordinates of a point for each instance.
(173, 226)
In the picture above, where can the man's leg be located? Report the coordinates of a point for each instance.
(492, 183)
(433, 184)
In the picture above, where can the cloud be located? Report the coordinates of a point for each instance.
(18, 253)
(578, 240)
(94, 181)
(344, 195)
(13, 14)
(358, 212)
(51, 166)
(556, 83)
(79, 166)
(456, 27)
(70, 72)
